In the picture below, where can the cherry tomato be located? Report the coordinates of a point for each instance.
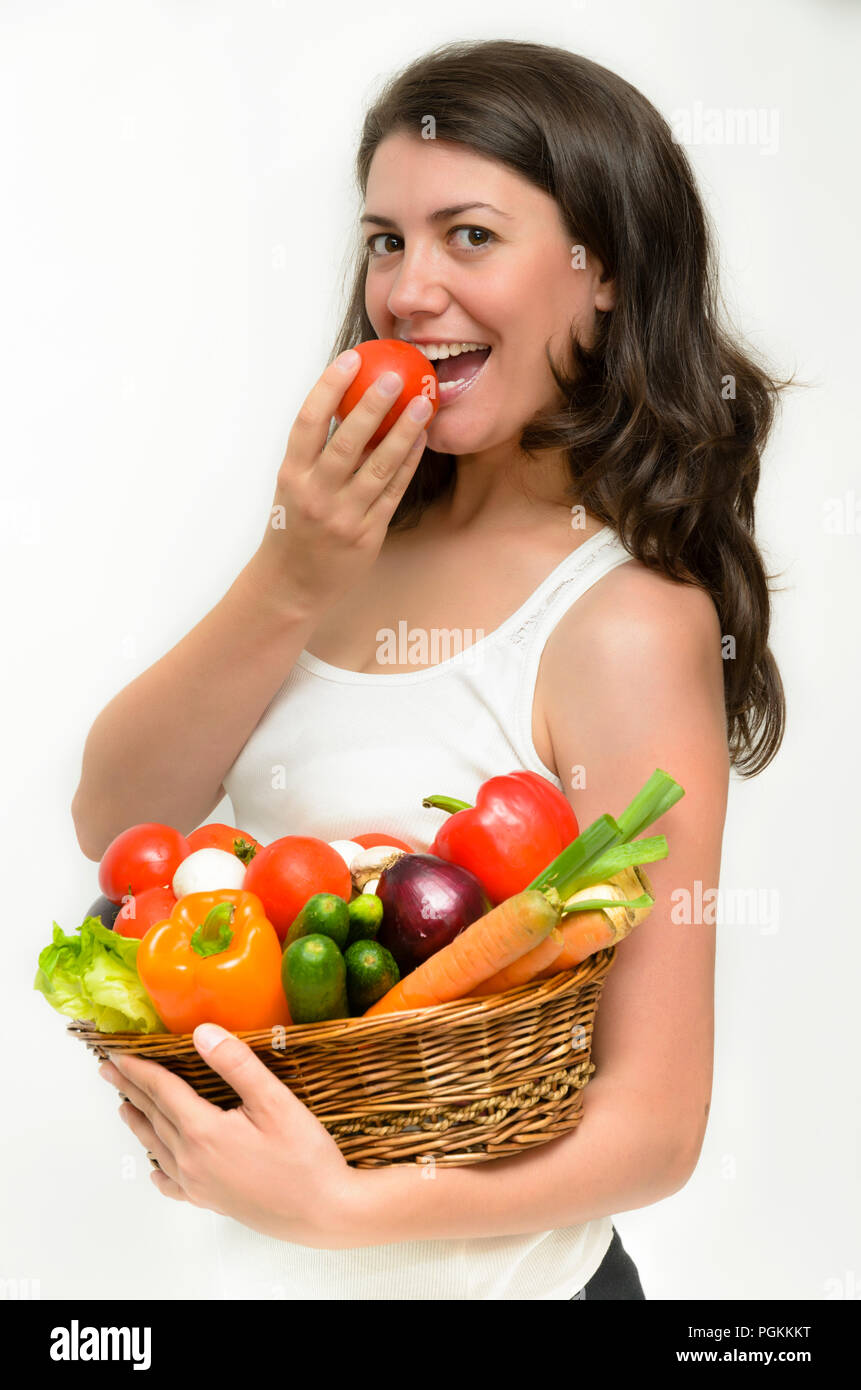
(227, 837)
(380, 838)
(144, 856)
(143, 910)
(391, 354)
(285, 874)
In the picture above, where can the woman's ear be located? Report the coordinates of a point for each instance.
(605, 293)
(603, 285)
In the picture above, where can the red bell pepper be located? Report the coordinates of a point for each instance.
(519, 824)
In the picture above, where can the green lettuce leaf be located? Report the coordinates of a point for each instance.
(93, 976)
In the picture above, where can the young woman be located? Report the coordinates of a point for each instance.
(581, 508)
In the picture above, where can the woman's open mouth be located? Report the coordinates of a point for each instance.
(458, 370)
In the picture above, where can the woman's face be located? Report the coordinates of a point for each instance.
(499, 275)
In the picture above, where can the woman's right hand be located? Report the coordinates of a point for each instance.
(334, 499)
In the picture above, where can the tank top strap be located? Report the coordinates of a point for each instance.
(596, 557)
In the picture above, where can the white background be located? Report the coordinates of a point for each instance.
(178, 198)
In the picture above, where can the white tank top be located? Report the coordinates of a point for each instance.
(337, 753)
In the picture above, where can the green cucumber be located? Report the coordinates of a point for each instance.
(365, 915)
(314, 976)
(325, 913)
(371, 973)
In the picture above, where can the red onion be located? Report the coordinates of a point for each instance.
(427, 902)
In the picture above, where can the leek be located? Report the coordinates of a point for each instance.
(593, 844)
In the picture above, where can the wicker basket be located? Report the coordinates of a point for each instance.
(459, 1083)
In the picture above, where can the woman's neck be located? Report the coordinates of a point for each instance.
(502, 489)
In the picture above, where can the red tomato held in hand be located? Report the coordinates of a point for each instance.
(143, 910)
(381, 355)
(226, 837)
(144, 856)
(379, 837)
(285, 874)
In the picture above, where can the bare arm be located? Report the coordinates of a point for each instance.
(632, 679)
(159, 750)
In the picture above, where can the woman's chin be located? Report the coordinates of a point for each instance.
(451, 436)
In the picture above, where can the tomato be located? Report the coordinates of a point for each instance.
(391, 354)
(144, 856)
(227, 837)
(285, 874)
(380, 838)
(143, 910)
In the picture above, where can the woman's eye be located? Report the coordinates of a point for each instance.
(468, 245)
(473, 246)
(380, 236)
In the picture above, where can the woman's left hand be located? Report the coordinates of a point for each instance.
(269, 1163)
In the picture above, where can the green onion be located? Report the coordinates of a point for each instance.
(644, 900)
(576, 857)
(654, 798)
(620, 857)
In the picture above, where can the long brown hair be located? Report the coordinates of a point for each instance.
(666, 415)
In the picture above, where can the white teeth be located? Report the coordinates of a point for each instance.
(438, 352)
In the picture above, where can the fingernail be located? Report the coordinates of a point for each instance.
(390, 384)
(347, 360)
(207, 1036)
(420, 408)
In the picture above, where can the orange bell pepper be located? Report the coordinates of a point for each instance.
(216, 959)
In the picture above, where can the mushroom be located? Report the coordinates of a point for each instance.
(370, 864)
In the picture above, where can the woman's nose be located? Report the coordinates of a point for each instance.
(418, 287)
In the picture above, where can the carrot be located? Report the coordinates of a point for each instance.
(585, 933)
(488, 945)
(525, 968)
(582, 935)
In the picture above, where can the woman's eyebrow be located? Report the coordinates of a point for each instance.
(441, 214)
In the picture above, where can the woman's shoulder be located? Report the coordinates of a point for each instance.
(633, 598)
(630, 615)
(636, 663)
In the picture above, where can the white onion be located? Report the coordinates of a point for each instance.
(348, 849)
(208, 871)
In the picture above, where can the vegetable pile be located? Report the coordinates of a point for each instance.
(216, 927)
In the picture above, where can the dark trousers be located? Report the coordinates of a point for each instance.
(615, 1277)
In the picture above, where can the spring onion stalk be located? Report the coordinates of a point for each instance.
(644, 900)
(620, 857)
(590, 844)
(654, 798)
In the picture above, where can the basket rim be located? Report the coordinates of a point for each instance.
(456, 1011)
